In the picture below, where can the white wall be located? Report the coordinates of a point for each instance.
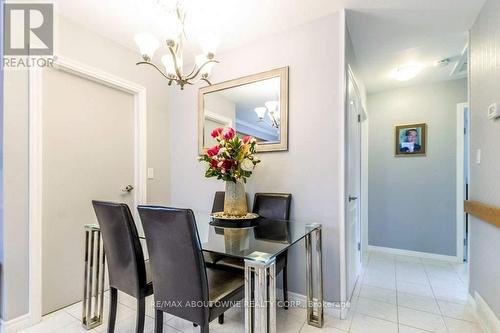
(220, 106)
(485, 135)
(77, 43)
(412, 200)
(310, 168)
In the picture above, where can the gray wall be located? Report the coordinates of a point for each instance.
(412, 200)
(76, 43)
(312, 52)
(485, 135)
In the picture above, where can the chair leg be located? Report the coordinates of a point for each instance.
(221, 319)
(204, 328)
(158, 321)
(285, 287)
(141, 312)
(113, 303)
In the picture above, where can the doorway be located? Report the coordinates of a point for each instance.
(101, 129)
(353, 183)
(88, 153)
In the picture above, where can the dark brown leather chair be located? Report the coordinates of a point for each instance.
(218, 204)
(273, 206)
(276, 206)
(128, 271)
(180, 276)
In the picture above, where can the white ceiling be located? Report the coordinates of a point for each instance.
(386, 39)
(380, 29)
(253, 94)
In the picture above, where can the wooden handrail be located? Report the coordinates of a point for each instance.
(487, 213)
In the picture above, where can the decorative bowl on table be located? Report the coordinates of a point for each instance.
(221, 219)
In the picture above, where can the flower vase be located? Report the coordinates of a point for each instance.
(235, 199)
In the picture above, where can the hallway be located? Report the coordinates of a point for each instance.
(421, 295)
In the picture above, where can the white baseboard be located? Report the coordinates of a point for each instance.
(409, 253)
(487, 319)
(17, 324)
(334, 309)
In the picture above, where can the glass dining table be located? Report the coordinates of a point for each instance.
(258, 245)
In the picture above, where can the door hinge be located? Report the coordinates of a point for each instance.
(359, 118)
(359, 246)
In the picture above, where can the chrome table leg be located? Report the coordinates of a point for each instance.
(93, 287)
(314, 304)
(260, 296)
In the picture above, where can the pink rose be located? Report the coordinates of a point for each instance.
(216, 132)
(229, 133)
(213, 151)
(247, 138)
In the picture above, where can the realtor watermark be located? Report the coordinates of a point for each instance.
(28, 37)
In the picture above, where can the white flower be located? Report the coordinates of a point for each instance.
(247, 165)
(222, 151)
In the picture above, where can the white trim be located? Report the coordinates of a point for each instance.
(460, 182)
(35, 160)
(35, 194)
(342, 157)
(225, 121)
(487, 319)
(16, 324)
(410, 253)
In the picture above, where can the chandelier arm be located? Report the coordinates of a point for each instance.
(273, 120)
(177, 71)
(207, 81)
(156, 67)
(192, 71)
(199, 69)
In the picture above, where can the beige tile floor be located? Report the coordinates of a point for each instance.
(394, 294)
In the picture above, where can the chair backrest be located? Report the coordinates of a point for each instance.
(177, 264)
(272, 205)
(218, 205)
(127, 271)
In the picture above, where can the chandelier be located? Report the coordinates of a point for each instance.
(173, 60)
(272, 109)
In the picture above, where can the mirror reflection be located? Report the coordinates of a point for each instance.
(252, 109)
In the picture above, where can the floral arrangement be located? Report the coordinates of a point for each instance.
(232, 158)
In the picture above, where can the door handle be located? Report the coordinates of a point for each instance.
(128, 188)
(351, 198)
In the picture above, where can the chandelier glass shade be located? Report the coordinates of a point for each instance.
(173, 61)
(272, 108)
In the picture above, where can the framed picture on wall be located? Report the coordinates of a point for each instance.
(411, 140)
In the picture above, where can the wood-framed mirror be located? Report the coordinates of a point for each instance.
(255, 105)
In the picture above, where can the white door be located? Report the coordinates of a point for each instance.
(88, 153)
(353, 186)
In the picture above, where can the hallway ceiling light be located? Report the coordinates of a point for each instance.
(173, 60)
(407, 72)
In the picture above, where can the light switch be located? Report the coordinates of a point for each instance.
(478, 156)
(151, 174)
